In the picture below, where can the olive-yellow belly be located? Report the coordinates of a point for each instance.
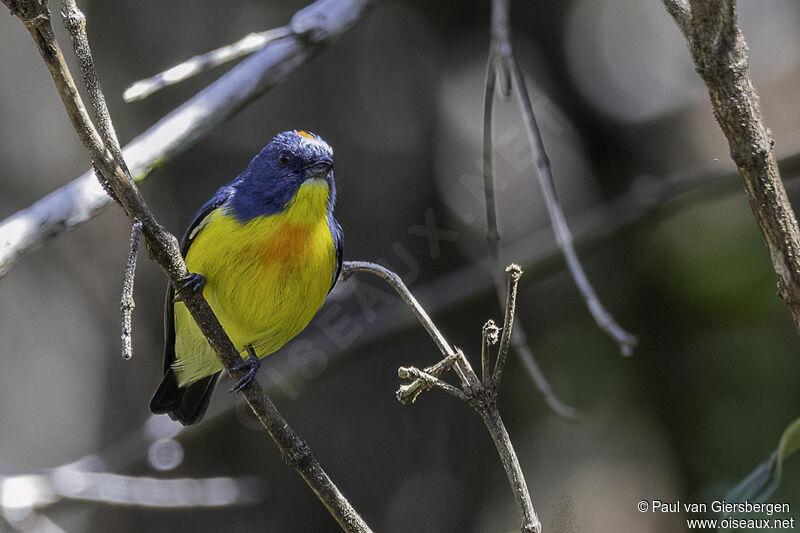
(265, 280)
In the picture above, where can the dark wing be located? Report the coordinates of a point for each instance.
(338, 243)
(186, 405)
(219, 198)
(189, 236)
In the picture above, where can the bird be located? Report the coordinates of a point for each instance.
(265, 251)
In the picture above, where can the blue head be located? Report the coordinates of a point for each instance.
(293, 162)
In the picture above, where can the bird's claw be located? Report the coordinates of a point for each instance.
(192, 283)
(251, 366)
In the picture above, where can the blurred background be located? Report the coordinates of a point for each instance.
(661, 223)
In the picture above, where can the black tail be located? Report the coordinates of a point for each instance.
(187, 405)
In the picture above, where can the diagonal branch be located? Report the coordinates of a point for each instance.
(164, 249)
(719, 52)
(349, 267)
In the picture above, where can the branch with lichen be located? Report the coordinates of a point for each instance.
(719, 51)
(164, 250)
(480, 394)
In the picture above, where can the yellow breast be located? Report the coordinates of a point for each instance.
(265, 279)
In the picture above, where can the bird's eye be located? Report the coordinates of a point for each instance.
(283, 160)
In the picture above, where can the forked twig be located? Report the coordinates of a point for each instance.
(480, 395)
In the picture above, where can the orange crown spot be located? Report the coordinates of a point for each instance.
(303, 133)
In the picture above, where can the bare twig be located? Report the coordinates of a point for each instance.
(489, 337)
(481, 396)
(409, 393)
(349, 267)
(514, 272)
(502, 55)
(313, 29)
(126, 303)
(200, 63)
(492, 232)
(164, 249)
(719, 52)
(428, 381)
(75, 23)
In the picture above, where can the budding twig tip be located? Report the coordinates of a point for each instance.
(514, 270)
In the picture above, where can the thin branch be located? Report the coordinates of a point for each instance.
(514, 272)
(349, 267)
(409, 393)
(492, 232)
(164, 249)
(505, 56)
(126, 304)
(428, 381)
(489, 337)
(529, 521)
(603, 318)
(719, 52)
(314, 28)
(75, 23)
(249, 44)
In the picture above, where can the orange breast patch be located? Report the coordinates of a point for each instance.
(284, 245)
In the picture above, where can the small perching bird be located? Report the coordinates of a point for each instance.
(265, 251)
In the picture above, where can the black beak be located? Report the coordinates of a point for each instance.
(318, 169)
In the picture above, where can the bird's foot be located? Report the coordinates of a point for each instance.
(251, 366)
(192, 283)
